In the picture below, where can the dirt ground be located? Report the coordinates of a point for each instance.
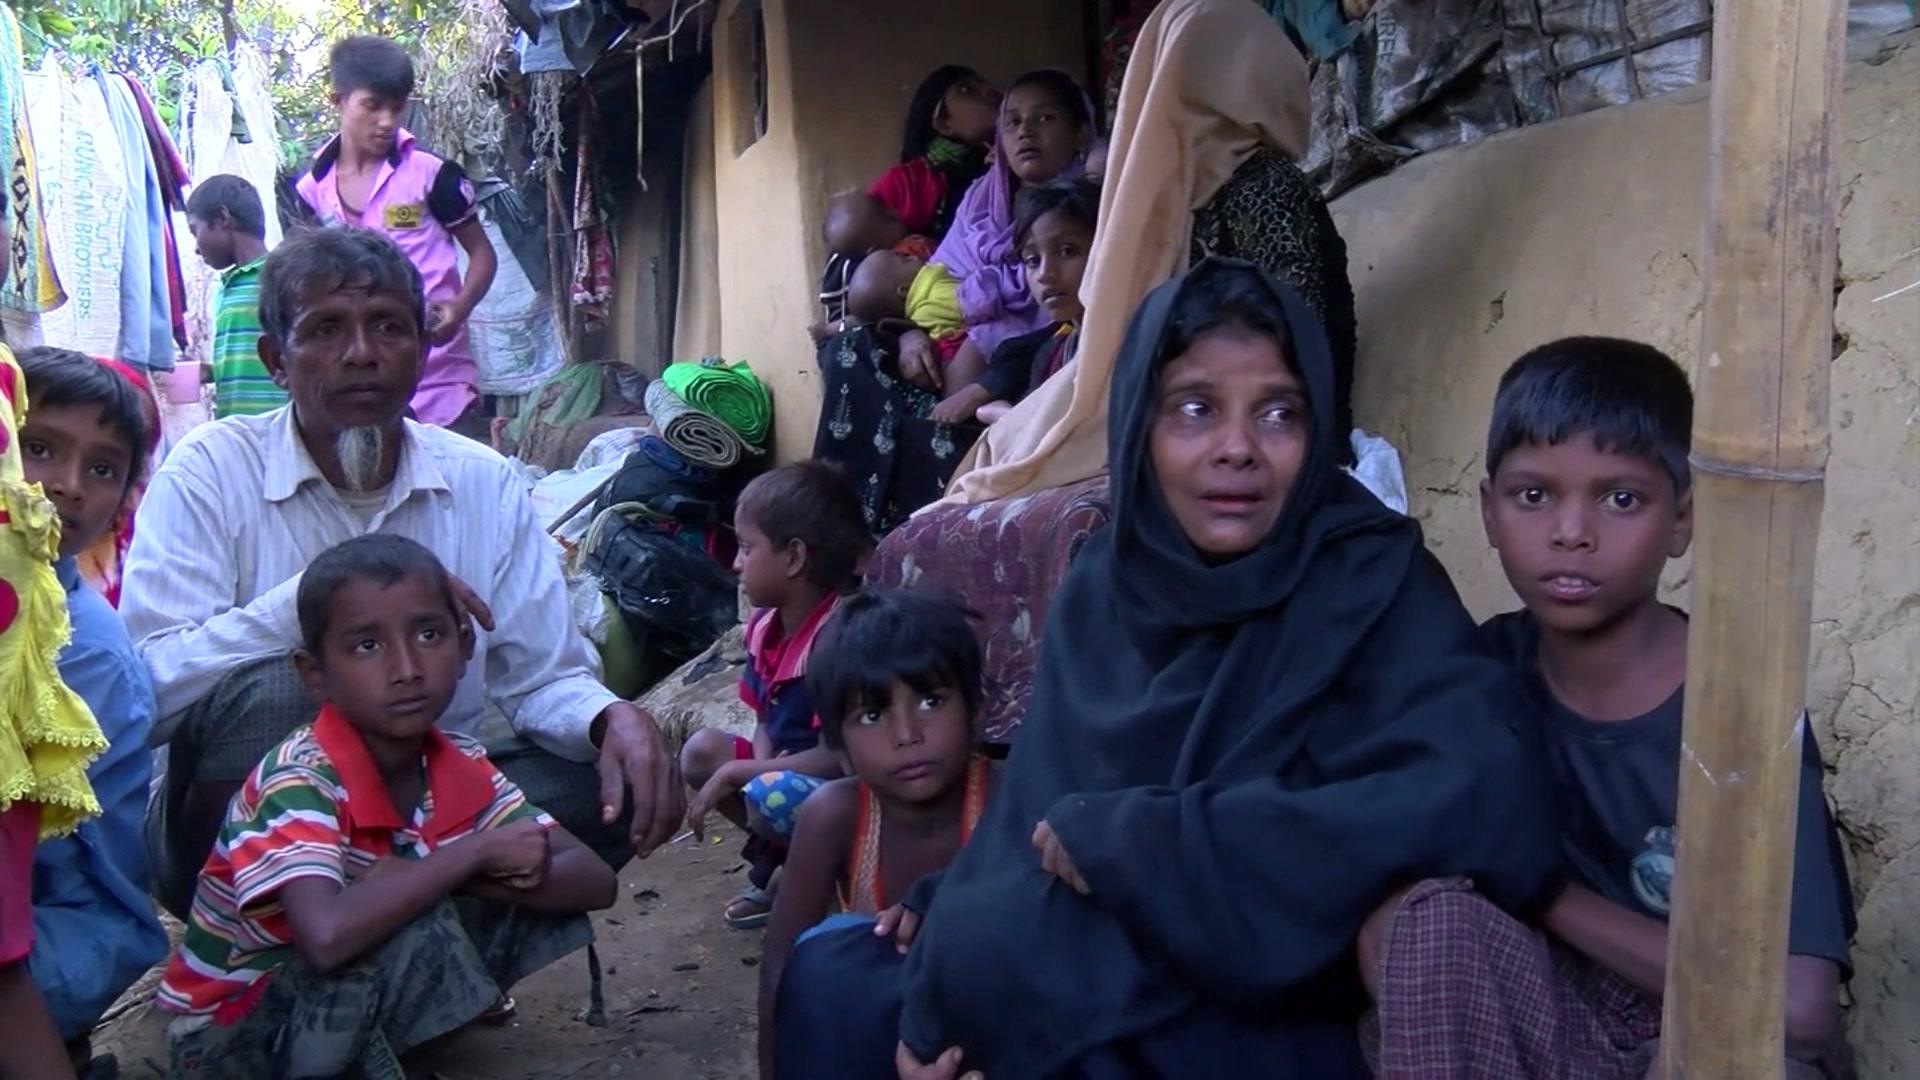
(680, 992)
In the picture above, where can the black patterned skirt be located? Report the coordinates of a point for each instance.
(874, 425)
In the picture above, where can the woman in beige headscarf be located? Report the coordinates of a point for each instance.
(1212, 112)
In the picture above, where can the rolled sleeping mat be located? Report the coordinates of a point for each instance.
(701, 439)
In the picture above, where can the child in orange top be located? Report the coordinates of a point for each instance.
(896, 679)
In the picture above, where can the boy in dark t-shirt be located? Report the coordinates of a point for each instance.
(1586, 499)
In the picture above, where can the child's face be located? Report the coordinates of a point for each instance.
(1038, 137)
(370, 122)
(1583, 533)
(352, 357)
(767, 571)
(392, 657)
(1229, 436)
(969, 112)
(84, 464)
(1055, 255)
(213, 240)
(913, 750)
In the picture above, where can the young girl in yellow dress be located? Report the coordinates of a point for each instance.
(47, 734)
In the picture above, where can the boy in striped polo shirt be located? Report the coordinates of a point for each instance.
(378, 883)
(229, 227)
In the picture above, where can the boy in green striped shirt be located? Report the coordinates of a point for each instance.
(230, 228)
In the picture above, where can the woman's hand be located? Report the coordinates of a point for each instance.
(1054, 859)
(726, 780)
(919, 360)
(944, 1067)
(900, 923)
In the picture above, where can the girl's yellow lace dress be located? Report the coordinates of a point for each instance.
(47, 734)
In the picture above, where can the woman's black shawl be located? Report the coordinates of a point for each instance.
(1243, 760)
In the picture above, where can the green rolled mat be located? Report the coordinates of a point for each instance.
(701, 439)
(731, 394)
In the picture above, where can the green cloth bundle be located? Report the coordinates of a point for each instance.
(731, 394)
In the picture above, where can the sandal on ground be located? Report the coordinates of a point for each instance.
(499, 1013)
(751, 909)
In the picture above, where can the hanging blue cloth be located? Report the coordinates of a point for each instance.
(146, 311)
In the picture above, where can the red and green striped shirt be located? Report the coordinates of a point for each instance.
(241, 385)
(316, 807)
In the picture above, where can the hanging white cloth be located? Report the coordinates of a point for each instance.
(83, 180)
(515, 342)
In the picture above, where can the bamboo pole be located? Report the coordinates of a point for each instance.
(1759, 453)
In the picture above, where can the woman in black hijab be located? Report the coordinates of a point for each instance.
(1258, 713)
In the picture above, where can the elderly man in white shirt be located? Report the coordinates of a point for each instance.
(244, 504)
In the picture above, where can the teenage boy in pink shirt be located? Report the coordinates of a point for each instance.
(373, 175)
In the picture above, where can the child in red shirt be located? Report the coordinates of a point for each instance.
(378, 882)
(802, 537)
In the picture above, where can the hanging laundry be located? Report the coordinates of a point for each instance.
(592, 244)
(32, 286)
(242, 132)
(220, 106)
(84, 190)
(146, 315)
(515, 343)
(174, 176)
(174, 179)
(176, 288)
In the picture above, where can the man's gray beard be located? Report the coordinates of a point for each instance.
(360, 451)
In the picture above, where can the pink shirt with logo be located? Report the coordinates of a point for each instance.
(417, 200)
